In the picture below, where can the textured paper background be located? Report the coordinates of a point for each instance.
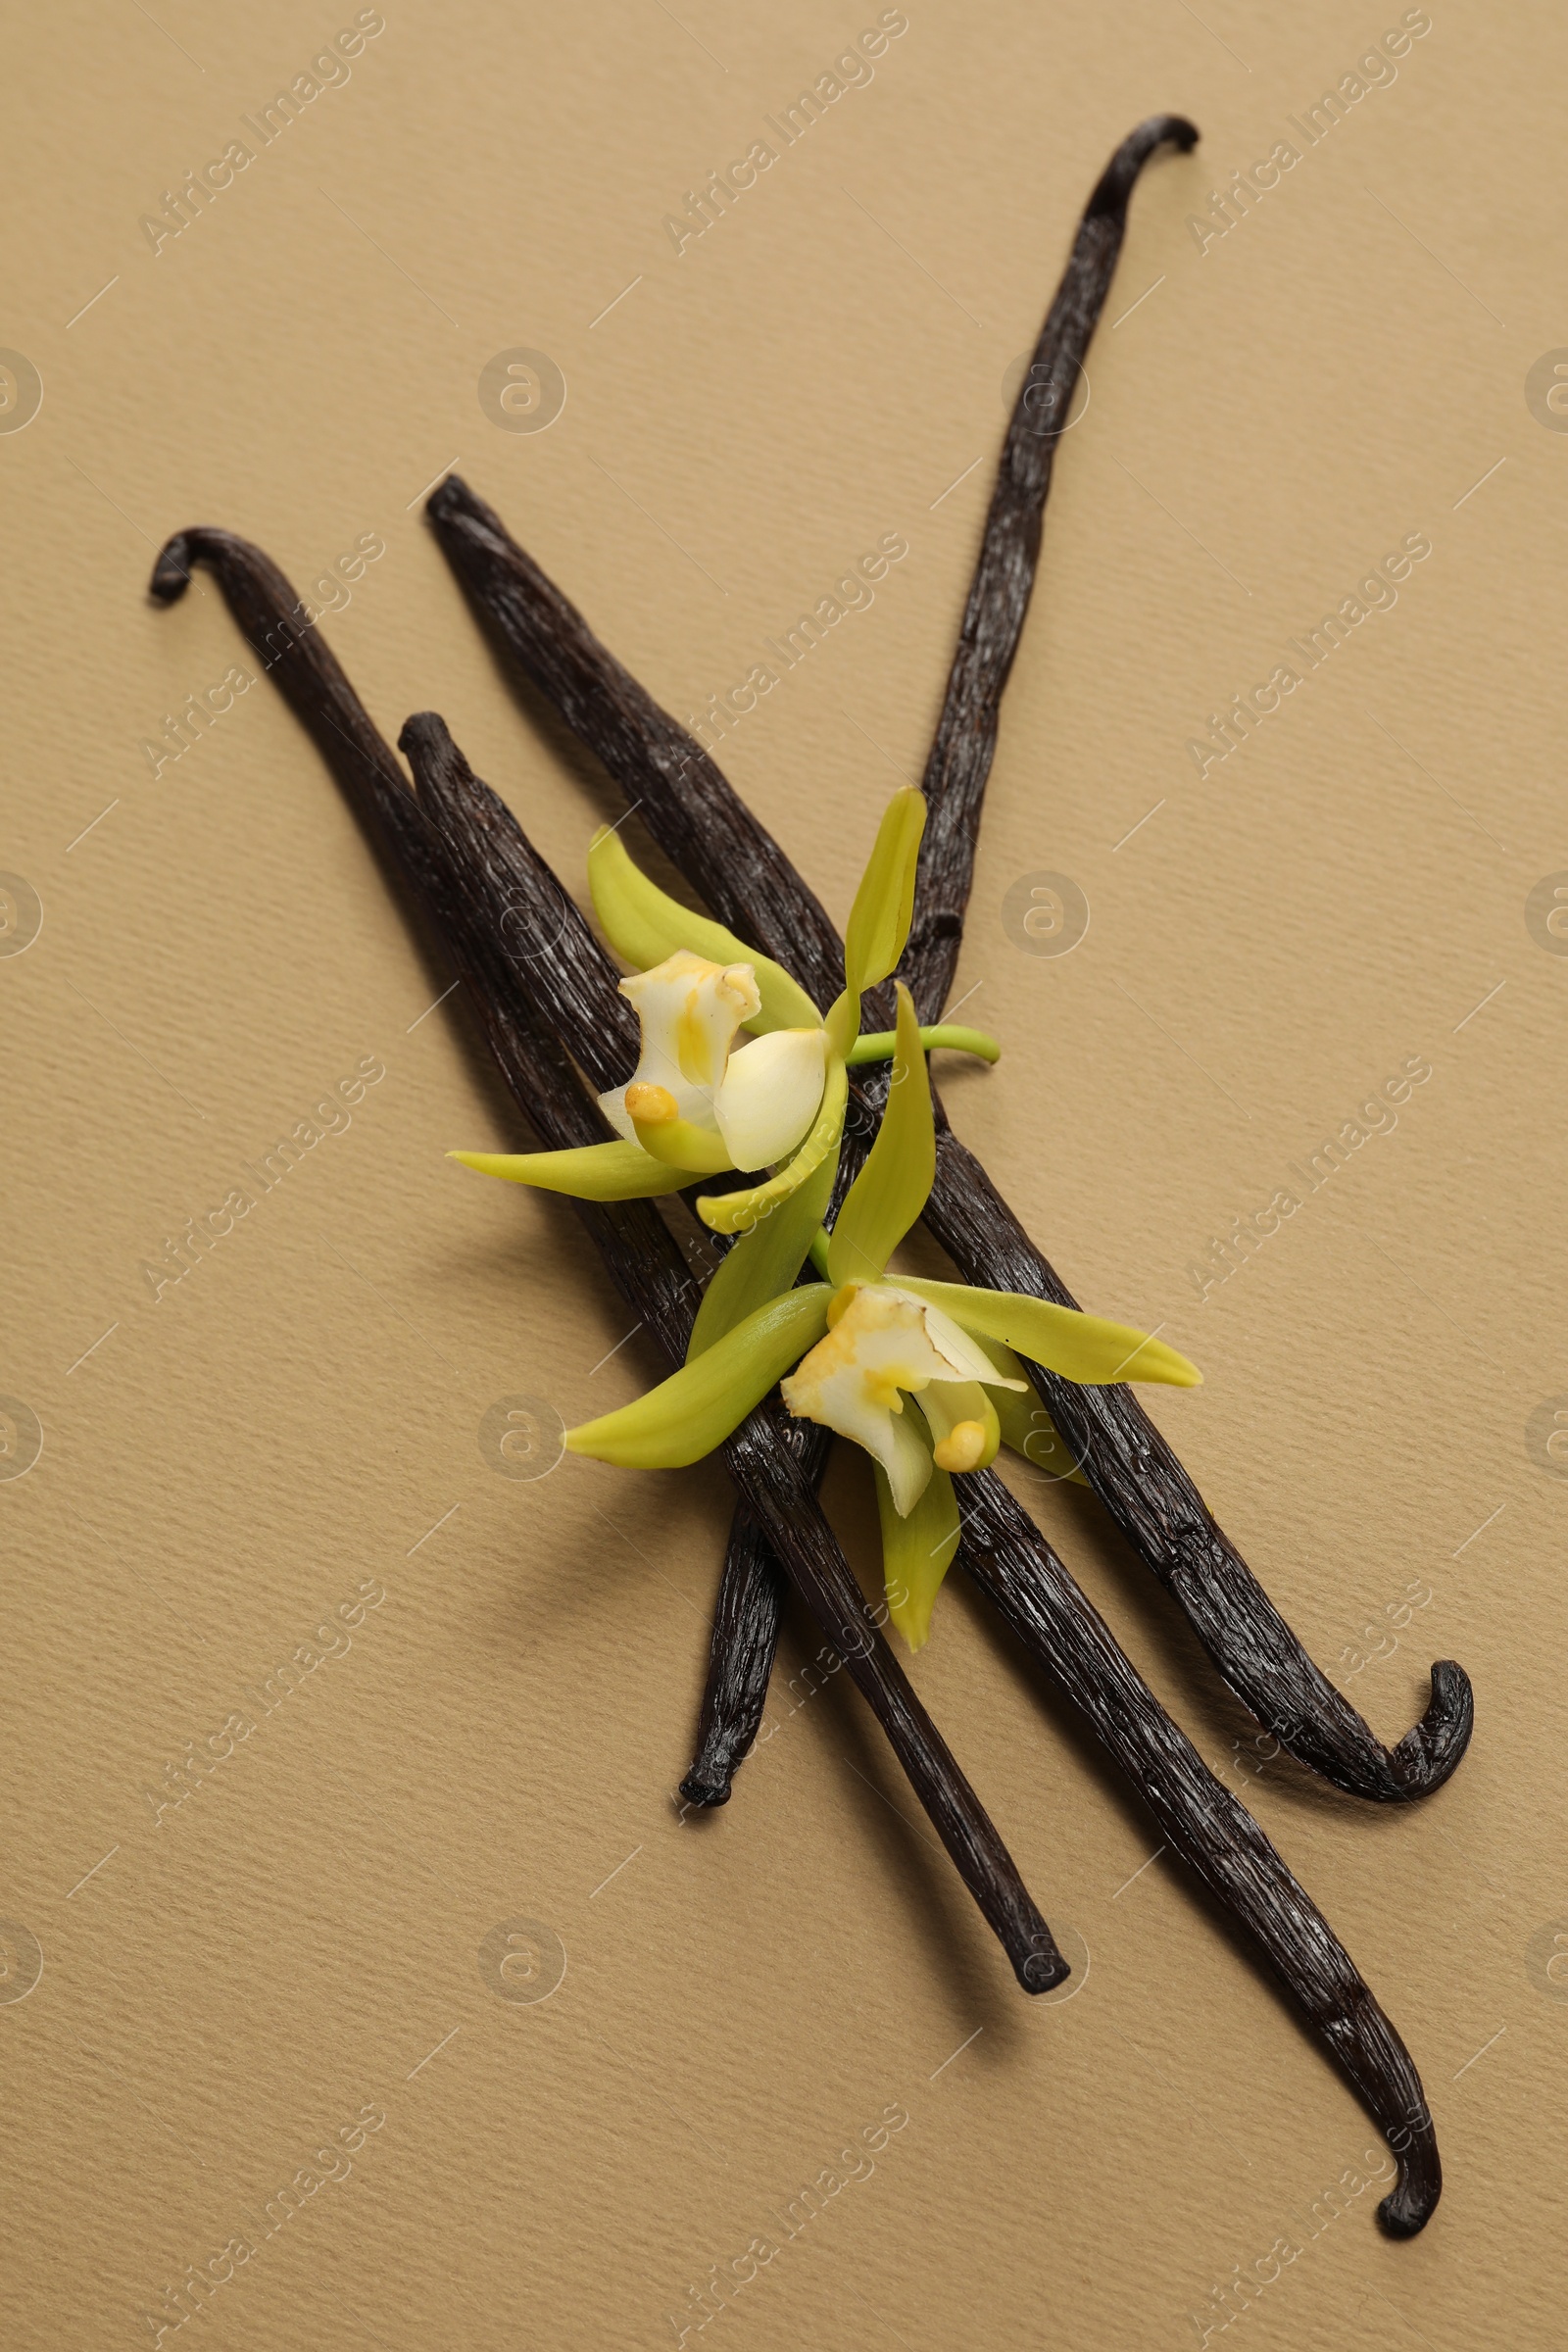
(228, 1984)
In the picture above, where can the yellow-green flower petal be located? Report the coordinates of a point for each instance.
(1026, 1426)
(769, 1095)
(880, 919)
(1082, 1347)
(764, 1263)
(739, 1212)
(643, 925)
(679, 1144)
(892, 1189)
(686, 1415)
(917, 1553)
(597, 1172)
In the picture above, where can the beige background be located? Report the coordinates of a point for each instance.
(226, 1987)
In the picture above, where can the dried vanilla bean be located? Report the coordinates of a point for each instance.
(1013, 1564)
(965, 739)
(1029, 1585)
(742, 1655)
(701, 824)
(1212, 1833)
(588, 1003)
(638, 1249)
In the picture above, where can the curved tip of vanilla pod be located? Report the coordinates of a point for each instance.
(1117, 182)
(1414, 2199)
(1429, 1751)
(171, 571)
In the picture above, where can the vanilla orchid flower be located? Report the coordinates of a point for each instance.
(697, 1102)
(884, 1342)
(703, 1098)
(920, 1375)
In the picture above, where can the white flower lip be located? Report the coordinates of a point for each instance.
(769, 1094)
(760, 1100)
(885, 1341)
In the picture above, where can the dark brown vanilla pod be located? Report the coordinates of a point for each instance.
(745, 1632)
(588, 1005)
(557, 991)
(1203, 1823)
(654, 1281)
(965, 739)
(534, 921)
(690, 808)
(708, 833)
(747, 1618)
(1136, 1475)
(745, 1638)
(637, 1248)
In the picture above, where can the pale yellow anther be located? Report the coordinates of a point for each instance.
(649, 1105)
(961, 1447)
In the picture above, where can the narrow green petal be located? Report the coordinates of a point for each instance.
(917, 1553)
(936, 1037)
(1026, 1426)
(686, 1415)
(880, 919)
(892, 1189)
(764, 1263)
(742, 1213)
(643, 925)
(597, 1172)
(1081, 1348)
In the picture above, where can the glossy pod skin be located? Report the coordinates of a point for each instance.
(745, 878)
(440, 855)
(456, 892)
